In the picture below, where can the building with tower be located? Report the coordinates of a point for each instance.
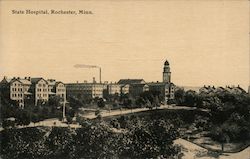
(132, 87)
(166, 87)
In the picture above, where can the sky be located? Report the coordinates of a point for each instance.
(205, 42)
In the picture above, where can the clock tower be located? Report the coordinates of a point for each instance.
(166, 73)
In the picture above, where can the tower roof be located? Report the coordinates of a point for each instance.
(166, 62)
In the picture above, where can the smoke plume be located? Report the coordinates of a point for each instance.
(85, 66)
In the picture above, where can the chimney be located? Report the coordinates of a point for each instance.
(85, 81)
(94, 80)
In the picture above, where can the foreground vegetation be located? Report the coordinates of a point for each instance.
(96, 139)
(226, 120)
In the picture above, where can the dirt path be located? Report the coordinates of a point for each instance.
(193, 151)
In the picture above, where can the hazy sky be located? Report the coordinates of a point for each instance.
(205, 42)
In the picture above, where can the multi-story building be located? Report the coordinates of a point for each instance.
(132, 86)
(15, 89)
(166, 87)
(36, 90)
(114, 88)
(39, 89)
(137, 89)
(125, 89)
(136, 86)
(57, 88)
(86, 90)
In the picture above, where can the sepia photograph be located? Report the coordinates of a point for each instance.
(124, 79)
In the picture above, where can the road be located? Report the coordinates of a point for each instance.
(105, 113)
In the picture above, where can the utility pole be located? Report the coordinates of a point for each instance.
(64, 111)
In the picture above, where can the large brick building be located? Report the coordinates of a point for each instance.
(31, 89)
(86, 90)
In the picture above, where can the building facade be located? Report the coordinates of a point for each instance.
(86, 90)
(34, 90)
(114, 88)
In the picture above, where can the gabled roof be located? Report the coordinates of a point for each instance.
(139, 84)
(24, 81)
(131, 81)
(35, 80)
(51, 81)
(14, 80)
(58, 82)
(6, 80)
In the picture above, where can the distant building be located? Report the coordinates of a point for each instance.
(114, 88)
(134, 87)
(137, 86)
(30, 89)
(131, 81)
(212, 89)
(137, 89)
(86, 90)
(166, 87)
(125, 89)
(56, 88)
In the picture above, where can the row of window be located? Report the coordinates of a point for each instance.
(17, 95)
(17, 84)
(41, 95)
(60, 90)
(17, 89)
(41, 85)
(40, 90)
